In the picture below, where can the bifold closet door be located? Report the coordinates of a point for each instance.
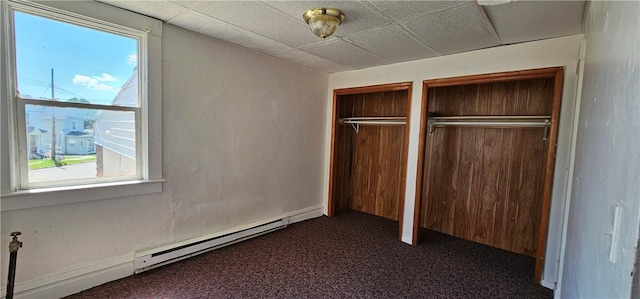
(368, 165)
(486, 184)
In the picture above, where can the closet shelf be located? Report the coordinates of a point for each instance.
(355, 122)
(541, 121)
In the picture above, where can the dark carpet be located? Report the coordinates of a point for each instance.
(351, 255)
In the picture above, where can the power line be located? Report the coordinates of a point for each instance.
(67, 92)
(58, 89)
(45, 90)
(35, 84)
(38, 83)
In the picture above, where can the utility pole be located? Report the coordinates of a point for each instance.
(53, 126)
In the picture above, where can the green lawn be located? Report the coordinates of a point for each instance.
(68, 160)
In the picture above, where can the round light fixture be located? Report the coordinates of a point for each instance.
(323, 21)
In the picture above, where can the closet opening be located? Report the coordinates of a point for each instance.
(369, 141)
(486, 158)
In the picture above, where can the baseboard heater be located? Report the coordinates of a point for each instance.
(165, 255)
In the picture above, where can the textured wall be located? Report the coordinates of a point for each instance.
(607, 161)
(242, 142)
(244, 134)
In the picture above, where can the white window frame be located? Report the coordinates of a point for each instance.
(15, 194)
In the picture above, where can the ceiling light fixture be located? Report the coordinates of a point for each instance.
(323, 21)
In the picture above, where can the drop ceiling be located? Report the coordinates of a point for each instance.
(374, 32)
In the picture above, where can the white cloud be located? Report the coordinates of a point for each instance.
(106, 77)
(96, 82)
(133, 59)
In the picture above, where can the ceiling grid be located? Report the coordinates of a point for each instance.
(374, 32)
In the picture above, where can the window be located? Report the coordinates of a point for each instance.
(76, 80)
(93, 77)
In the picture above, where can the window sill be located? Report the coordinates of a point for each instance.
(25, 199)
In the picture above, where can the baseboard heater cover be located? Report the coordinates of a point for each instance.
(165, 255)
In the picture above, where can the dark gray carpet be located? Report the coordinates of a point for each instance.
(352, 255)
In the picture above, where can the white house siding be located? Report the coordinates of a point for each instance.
(115, 132)
(79, 145)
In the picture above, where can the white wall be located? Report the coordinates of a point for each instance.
(242, 142)
(607, 161)
(115, 164)
(547, 53)
(243, 134)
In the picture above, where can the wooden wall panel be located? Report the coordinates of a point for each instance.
(485, 184)
(368, 165)
(343, 151)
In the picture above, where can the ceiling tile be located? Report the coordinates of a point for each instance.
(359, 15)
(345, 53)
(525, 20)
(261, 19)
(312, 61)
(384, 42)
(374, 32)
(409, 9)
(162, 10)
(186, 3)
(209, 26)
(455, 30)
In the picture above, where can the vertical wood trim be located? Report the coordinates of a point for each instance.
(420, 172)
(405, 158)
(330, 201)
(548, 176)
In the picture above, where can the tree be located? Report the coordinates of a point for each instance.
(78, 100)
(89, 122)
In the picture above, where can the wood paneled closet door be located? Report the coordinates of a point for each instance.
(368, 166)
(490, 184)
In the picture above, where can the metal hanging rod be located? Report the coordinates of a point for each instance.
(491, 122)
(490, 117)
(355, 122)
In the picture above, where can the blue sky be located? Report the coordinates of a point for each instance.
(87, 63)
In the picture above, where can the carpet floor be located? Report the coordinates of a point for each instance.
(351, 255)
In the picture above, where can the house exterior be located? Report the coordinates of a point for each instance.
(115, 134)
(71, 136)
(79, 143)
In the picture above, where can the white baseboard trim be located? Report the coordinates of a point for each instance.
(74, 281)
(548, 284)
(306, 214)
(77, 280)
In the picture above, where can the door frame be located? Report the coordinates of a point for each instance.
(407, 86)
(556, 73)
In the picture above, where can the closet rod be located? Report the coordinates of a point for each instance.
(355, 122)
(491, 117)
(502, 124)
(491, 122)
(367, 118)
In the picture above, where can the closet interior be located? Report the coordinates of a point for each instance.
(368, 157)
(487, 155)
